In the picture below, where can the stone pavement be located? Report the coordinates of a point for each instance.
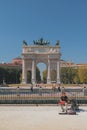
(41, 118)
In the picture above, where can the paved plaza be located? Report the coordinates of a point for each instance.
(40, 118)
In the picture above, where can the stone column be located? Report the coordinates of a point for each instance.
(48, 72)
(24, 77)
(33, 72)
(58, 72)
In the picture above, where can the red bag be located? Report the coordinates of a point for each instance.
(62, 102)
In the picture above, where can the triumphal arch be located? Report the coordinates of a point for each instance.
(41, 51)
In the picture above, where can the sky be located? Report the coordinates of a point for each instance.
(64, 20)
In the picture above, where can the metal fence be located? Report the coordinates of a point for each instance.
(20, 95)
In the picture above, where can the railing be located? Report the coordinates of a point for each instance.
(9, 95)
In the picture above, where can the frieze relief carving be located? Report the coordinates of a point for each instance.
(40, 50)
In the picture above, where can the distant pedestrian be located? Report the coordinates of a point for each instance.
(40, 90)
(31, 87)
(62, 90)
(59, 89)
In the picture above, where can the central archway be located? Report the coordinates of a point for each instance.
(42, 67)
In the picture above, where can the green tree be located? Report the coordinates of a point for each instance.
(10, 75)
(76, 77)
(82, 73)
(44, 76)
(67, 75)
(38, 76)
(29, 76)
(53, 75)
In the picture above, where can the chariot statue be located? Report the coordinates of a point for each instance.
(41, 42)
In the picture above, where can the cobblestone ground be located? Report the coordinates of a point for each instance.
(40, 118)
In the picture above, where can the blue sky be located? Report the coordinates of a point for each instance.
(64, 20)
